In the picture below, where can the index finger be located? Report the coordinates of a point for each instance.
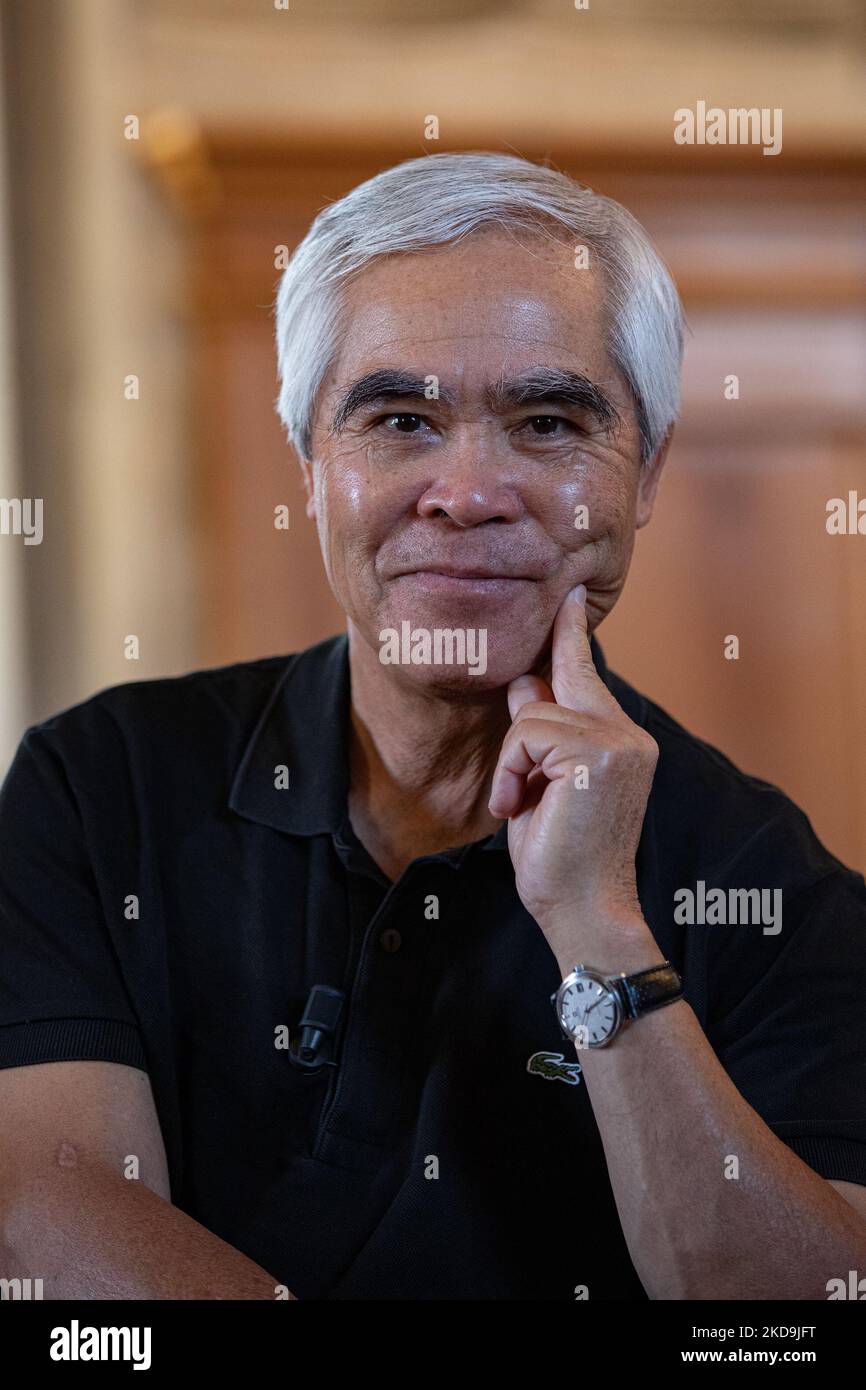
(574, 678)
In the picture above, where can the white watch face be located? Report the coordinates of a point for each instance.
(589, 1011)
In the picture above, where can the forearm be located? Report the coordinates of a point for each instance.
(92, 1234)
(671, 1120)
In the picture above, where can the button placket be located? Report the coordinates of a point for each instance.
(380, 1026)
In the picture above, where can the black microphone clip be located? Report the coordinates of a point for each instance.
(318, 1026)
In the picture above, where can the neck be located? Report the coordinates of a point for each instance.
(420, 760)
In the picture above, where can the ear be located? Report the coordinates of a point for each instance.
(650, 475)
(307, 472)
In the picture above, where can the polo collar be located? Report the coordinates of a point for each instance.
(303, 732)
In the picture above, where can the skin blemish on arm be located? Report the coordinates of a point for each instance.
(66, 1155)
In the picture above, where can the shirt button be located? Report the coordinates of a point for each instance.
(390, 940)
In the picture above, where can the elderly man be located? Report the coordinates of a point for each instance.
(435, 961)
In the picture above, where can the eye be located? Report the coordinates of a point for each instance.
(404, 422)
(547, 424)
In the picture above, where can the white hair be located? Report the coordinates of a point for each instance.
(441, 198)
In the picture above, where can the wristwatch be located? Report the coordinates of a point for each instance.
(591, 1008)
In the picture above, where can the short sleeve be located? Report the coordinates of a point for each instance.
(792, 1035)
(62, 995)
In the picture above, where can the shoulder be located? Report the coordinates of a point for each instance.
(174, 720)
(162, 710)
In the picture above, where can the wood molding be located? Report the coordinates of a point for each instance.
(201, 165)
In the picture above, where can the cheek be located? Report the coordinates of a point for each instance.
(593, 506)
(340, 490)
(356, 509)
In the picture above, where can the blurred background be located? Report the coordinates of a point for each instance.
(155, 157)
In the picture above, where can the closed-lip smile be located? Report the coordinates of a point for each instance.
(464, 572)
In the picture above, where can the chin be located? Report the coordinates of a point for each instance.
(459, 655)
(456, 685)
(462, 683)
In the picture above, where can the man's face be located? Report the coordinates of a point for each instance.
(467, 510)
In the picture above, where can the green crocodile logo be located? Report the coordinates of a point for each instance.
(553, 1067)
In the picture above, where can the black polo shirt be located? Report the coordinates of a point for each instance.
(167, 901)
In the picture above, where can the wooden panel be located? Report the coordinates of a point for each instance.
(739, 546)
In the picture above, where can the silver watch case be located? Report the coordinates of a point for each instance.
(581, 972)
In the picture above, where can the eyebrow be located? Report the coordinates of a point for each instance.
(542, 386)
(384, 385)
(550, 385)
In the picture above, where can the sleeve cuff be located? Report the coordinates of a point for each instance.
(71, 1040)
(836, 1159)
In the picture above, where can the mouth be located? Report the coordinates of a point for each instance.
(469, 572)
(446, 579)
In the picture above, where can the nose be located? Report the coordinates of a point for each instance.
(469, 489)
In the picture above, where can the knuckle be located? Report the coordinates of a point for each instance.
(650, 748)
(531, 710)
